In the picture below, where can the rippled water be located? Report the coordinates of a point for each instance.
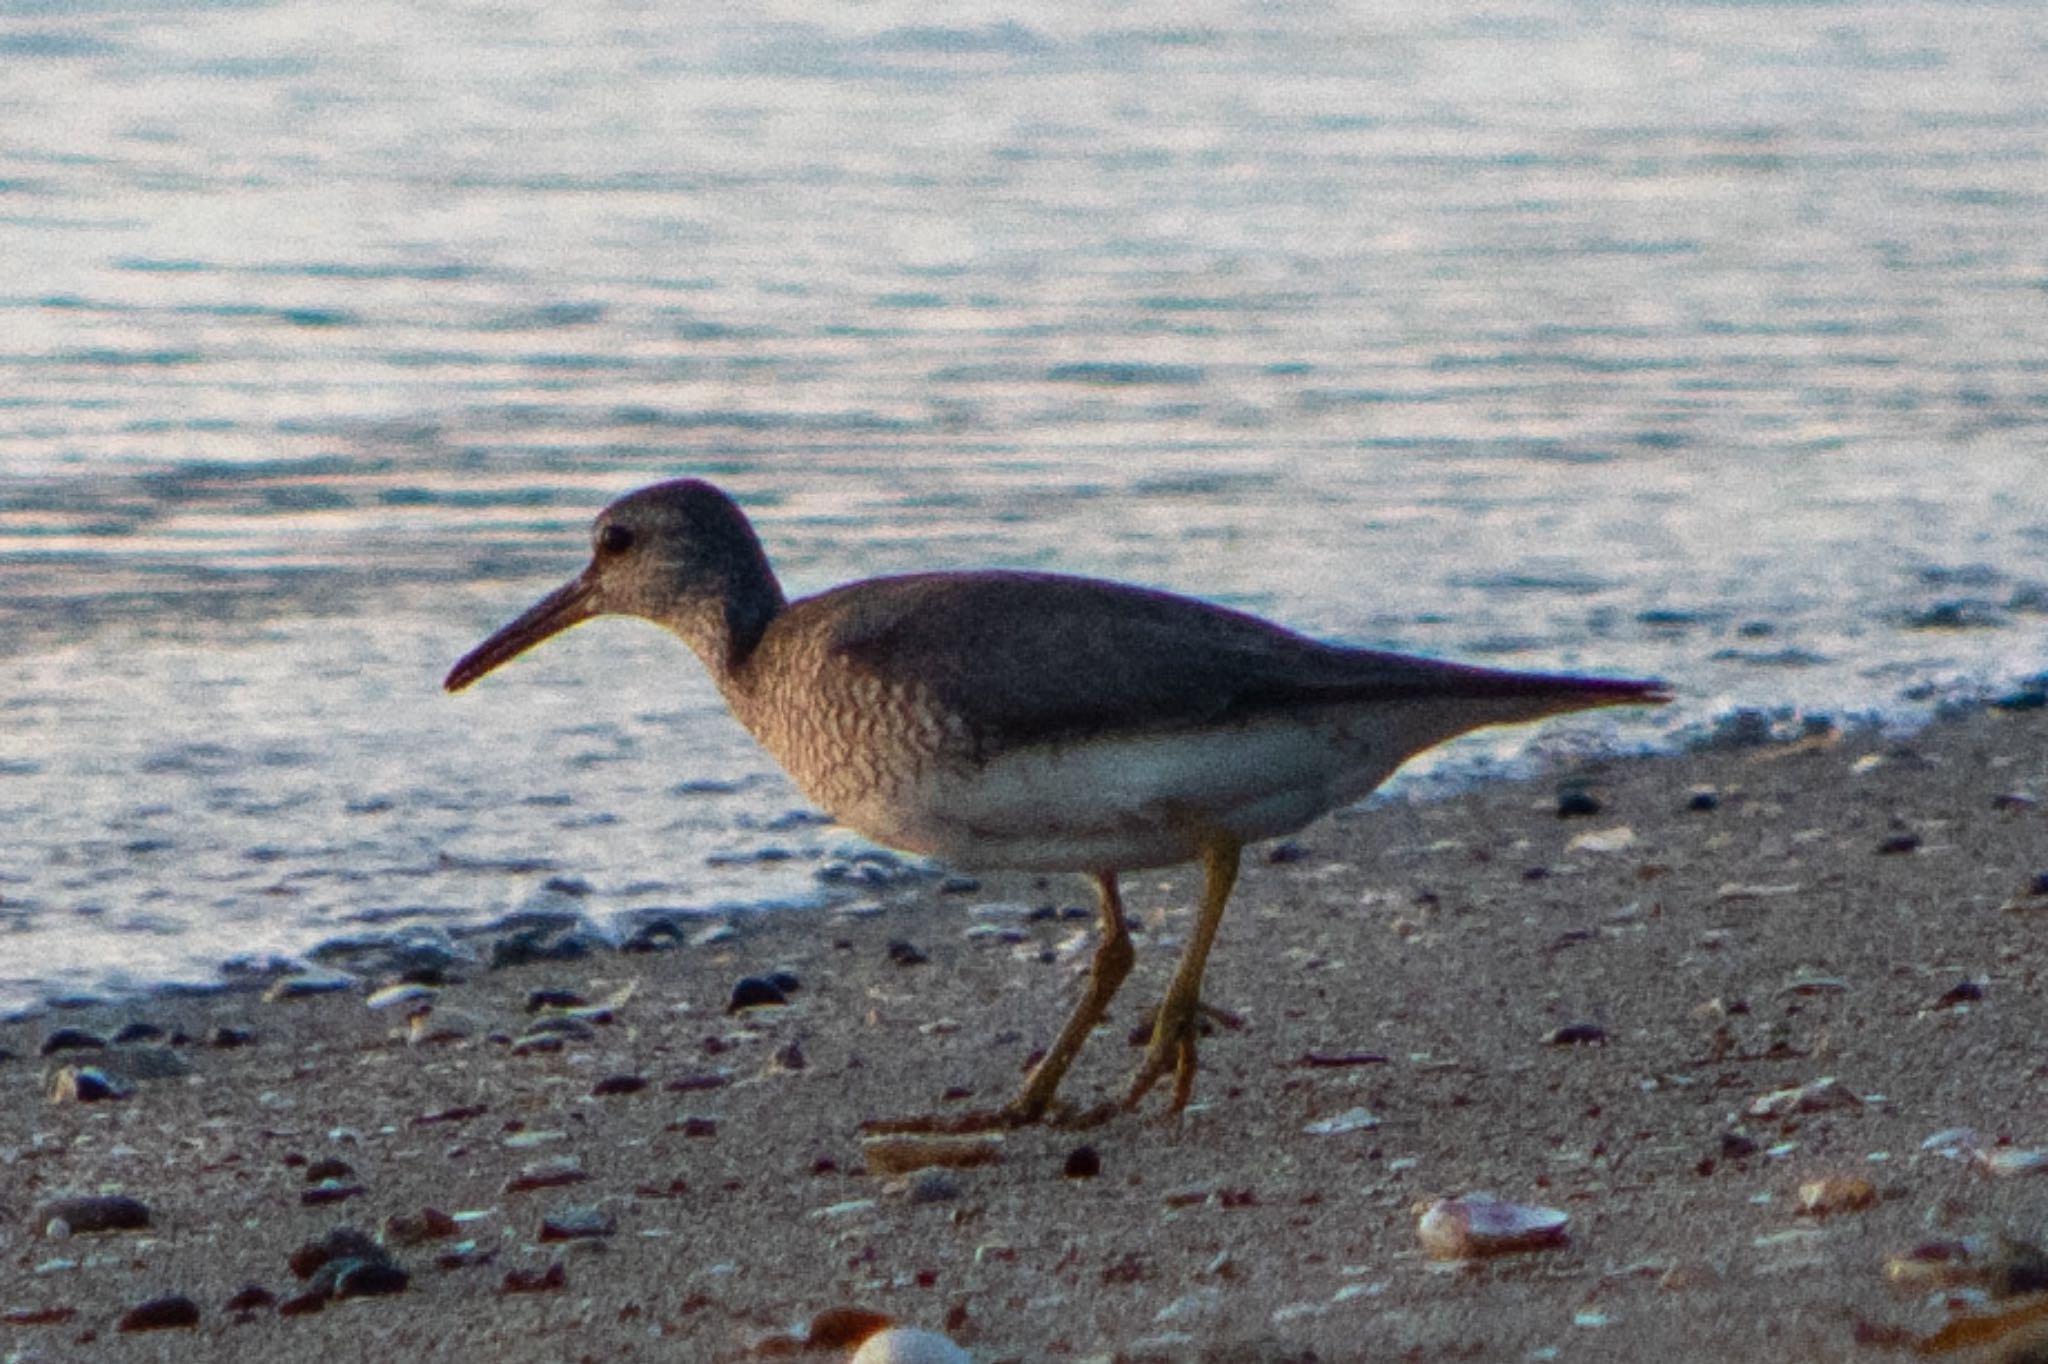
(1705, 339)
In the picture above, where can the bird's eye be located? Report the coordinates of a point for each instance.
(614, 539)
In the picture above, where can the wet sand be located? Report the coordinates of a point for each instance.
(1817, 922)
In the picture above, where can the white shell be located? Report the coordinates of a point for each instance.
(906, 1345)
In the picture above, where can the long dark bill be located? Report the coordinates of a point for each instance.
(570, 604)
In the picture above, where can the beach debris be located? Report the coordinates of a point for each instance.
(1832, 1194)
(88, 1214)
(898, 1154)
(586, 1222)
(84, 1085)
(1817, 1096)
(754, 992)
(173, 1312)
(71, 1039)
(1479, 1225)
(1083, 1162)
(2001, 1162)
(1576, 1035)
(1350, 1120)
(1998, 1266)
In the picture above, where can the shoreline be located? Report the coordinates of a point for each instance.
(1820, 920)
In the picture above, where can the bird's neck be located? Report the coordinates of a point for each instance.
(725, 628)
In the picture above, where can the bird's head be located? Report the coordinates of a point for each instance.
(681, 554)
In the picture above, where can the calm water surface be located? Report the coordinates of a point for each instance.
(1707, 340)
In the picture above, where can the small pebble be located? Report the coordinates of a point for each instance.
(413, 1229)
(906, 1345)
(226, 1038)
(137, 1031)
(547, 1174)
(363, 1278)
(576, 1224)
(1899, 843)
(1962, 992)
(618, 1084)
(906, 953)
(159, 1314)
(1703, 799)
(1480, 1225)
(1576, 1035)
(84, 1085)
(1083, 1162)
(933, 1186)
(342, 1243)
(842, 1328)
(72, 1039)
(1350, 1120)
(1836, 1194)
(328, 1167)
(1819, 1096)
(754, 992)
(537, 1000)
(551, 1280)
(1574, 803)
(250, 1298)
(85, 1214)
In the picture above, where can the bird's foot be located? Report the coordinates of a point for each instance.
(1172, 1049)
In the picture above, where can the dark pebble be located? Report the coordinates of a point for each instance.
(369, 1279)
(697, 1127)
(329, 1191)
(1576, 1035)
(578, 1224)
(159, 1314)
(842, 1328)
(85, 1085)
(1962, 992)
(536, 1000)
(618, 1084)
(137, 1032)
(328, 1167)
(250, 1298)
(753, 992)
(690, 1084)
(2014, 802)
(1576, 804)
(658, 936)
(790, 1055)
(1736, 1144)
(413, 1229)
(959, 885)
(1284, 852)
(459, 1113)
(1899, 843)
(1083, 1162)
(342, 1243)
(2039, 885)
(1703, 799)
(906, 953)
(551, 1280)
(540, 944)
(302, 1304)
(785, 981)
(88, 1213)
(72, 1039)
(226, 1037)
(1338, 1060)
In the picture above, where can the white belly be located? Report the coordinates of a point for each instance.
(1129, 802)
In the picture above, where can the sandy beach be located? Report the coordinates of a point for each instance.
(655, 1178)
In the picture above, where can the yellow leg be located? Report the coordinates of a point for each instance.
(1173, 1033)
(1113, 956)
